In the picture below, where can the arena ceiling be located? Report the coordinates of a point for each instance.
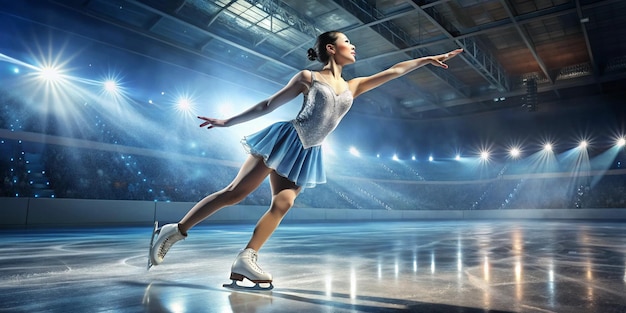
(569, 48)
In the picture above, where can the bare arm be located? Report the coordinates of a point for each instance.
(296, 85)
(361, 85)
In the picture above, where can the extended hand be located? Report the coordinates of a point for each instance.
(439, 59)
(212, 122)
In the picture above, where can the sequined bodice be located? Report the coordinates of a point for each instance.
(321, 112)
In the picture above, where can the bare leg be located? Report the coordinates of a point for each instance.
(250, 176)
(284, 193)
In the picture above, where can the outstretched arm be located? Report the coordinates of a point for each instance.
(296, 85)
(361, 85)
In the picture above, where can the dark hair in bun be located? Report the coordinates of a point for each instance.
(318, 52)
(311, 54)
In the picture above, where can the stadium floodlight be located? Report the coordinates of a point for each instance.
(621, 142)
(395, 157)
(185, 107)
(430, 158)
(183, 104)
(110, 86)
(457, 157)
(49, 74)
(583, 144)
(484, 155)
(515, 152)
(547, 147)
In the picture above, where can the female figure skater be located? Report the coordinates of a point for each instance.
(289, 152)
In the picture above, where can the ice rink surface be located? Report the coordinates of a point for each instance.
(421, 266)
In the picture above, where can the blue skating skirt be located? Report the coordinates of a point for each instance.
(282, 151)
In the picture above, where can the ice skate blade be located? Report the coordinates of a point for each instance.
(256, 287)
(155, 232)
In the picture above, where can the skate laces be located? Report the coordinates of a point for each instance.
(165, 246)
(253, 258)
(167, 243)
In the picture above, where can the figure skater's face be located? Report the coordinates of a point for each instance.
(343, 51)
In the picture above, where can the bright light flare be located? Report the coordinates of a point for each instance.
(47, 83)
(354, 152)
(547, 147)
(621, 142)
(18, 63)
(184, 104)
(583, 144)
(50, 74)
(111, 83)
(484, 155)
(185, 107)
(110, 86)
(515, 152)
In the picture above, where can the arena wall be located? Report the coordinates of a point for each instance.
(47, 212)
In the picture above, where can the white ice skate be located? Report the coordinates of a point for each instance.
(166, 236)
(245, 266)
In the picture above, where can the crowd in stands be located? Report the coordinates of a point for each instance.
(93, 174)
(51, 170)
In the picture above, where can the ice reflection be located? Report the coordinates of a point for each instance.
(353, 288)
(486, 268)
(518, 250)
(459, 255)
(179, 297)
(486, 293)
(519, 291)
(518, 271)
(551, 282)
(459, 263)
(432, 262)
(397, 269)
(177, 307)
(586, 243)
(329, 285)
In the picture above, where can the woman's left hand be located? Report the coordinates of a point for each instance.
(439, 59)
